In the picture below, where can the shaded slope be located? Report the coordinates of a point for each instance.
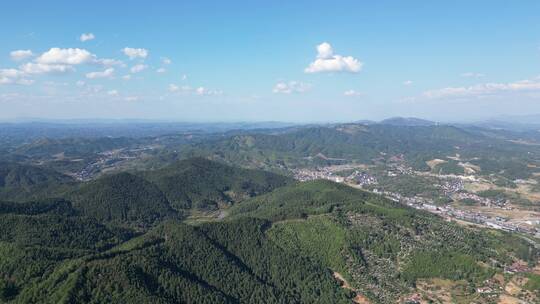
(205, 184)
(175, 263)
(123, 199)
(24, 182)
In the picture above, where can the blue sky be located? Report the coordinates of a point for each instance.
(268, 60)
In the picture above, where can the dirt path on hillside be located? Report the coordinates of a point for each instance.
(359, 298)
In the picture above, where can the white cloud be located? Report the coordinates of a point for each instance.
(109, 62)
(131, 98)
(19, 55)
(161, 70)
(102, 74)
(40, 68)
(482, 90)
(133, 53)
(138, 68)
(13, 76)
(184, 77)
(291, 87)
(173, 88)
(205, 91)
(87, 37)
(326, 61)
(166, 60)
(80, 83)
(352, 93)
(113, 93)
(126, 77)
(407, 82)
(66, 56)
(472, 75)
(201, 91)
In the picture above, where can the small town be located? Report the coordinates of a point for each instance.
(451, 187)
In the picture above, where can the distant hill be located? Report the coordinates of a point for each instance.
(343, 142)
(122, 198)
(407, 121)
(25, 182)
(204, 184)
(47, 147)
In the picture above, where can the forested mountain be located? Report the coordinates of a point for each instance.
(382, 247)
(495, 151)
(72, 146)
(285, 246)
(24, 182)
(205, 184)
(196, 230)
(122, 198)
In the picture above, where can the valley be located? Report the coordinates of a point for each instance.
(325, 214)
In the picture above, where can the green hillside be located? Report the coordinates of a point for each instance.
(122, 198)
(25, 182)
(382, 247)
(215, 263)
(283, 246)
(324, 145)
(204, 184)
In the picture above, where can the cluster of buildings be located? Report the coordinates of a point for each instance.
(362, 178)
(452, 186)
(107, 159)
(317, 173)
(450, 212)
(484, 201)
(357, 177)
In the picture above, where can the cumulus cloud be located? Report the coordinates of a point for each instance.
(327, 61)
(166, 60)
(19, 55)
(407, 82)
(102, 74)
(134, 53)
(113, 93)
(207, 92)
(173, 88)
(138, 68)
(71, 56)
(352, 93)
(483, 90)
(201, 91)
(126, 77)
(161, 70)
(109, 62)
(13, 76)
(40, 68)
(87, 37)
(291, 87)
(472, 75)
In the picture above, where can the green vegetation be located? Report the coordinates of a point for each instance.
(447, 265)
(24, 182)
(122, 199)
(449, 167)
(533, 283)
(259, 237)
(206, 184)
(375, 242)
(318, 237)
